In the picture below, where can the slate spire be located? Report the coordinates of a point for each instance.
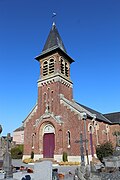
(54, 44)
(54, 40)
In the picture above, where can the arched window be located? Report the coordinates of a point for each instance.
(48, 98)
(45, 68)
(45, 97)
(45, 100)
(49, 129)
(51, 66)
(68, 132)
(62, 66)
(48, 94)
(91, 128)
(52, 101)
(33, 137)
(66, 69)
(60, 134)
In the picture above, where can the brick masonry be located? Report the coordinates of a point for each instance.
(55, 107)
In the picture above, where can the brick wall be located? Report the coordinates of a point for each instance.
(49, 90)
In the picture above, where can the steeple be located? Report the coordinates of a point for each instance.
(54, 73)
(54, 40)
(53, 43)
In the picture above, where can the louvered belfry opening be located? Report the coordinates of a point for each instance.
(51, 66)
(45, 68)
(62, 66)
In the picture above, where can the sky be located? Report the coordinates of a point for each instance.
(90, 30)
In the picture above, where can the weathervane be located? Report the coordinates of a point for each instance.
(53, 16)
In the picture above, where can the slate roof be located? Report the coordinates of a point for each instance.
(99, 116)
(19, 129)
(54, 43)
(81, 108)
(113, 117)
(54, 40)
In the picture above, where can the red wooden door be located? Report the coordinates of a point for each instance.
(48, 145)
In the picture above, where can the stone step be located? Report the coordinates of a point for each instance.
(48, 159)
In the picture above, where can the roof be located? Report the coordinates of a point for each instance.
(113, 117)
(99, 116)
(53, 44)
(54, 40)
(77, 107)
(19, 129)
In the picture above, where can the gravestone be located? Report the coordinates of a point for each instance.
(27, 177)
(43, 170)
(7, 160)
(55, 174)
(113, 161)
(1, 151)
(80, 172)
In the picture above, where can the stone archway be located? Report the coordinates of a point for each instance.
(48, 141)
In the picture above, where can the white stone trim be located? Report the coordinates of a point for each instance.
(58, 158)
(92, 128)
(26, 157)
(73, 106)
(55, 78)
(33, 111)
(73, 158)
(78, 158)
(48, 128)
(47, 115)
(38, 156)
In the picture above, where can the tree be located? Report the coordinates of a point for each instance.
(17, 152)
(104, 150)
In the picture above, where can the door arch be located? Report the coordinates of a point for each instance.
(48, 141)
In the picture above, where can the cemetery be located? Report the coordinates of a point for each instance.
(47, 169)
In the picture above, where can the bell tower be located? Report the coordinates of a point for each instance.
(54, 73)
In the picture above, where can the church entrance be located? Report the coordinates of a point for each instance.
(48, 145)
(48, 141)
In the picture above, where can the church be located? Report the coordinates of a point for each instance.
(57, 123)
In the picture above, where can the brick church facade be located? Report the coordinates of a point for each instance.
(57, 121)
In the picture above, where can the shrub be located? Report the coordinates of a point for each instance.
(64, 157)
(17, 152)
(28, 160)
(32, 155)
(104, 150)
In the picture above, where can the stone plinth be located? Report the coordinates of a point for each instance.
(113, 161)
(43, 170)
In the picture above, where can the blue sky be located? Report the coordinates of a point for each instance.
(90, 30)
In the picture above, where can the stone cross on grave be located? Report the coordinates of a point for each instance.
(7, 160)
(1, 153)
(1, 150)
(81, 141)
